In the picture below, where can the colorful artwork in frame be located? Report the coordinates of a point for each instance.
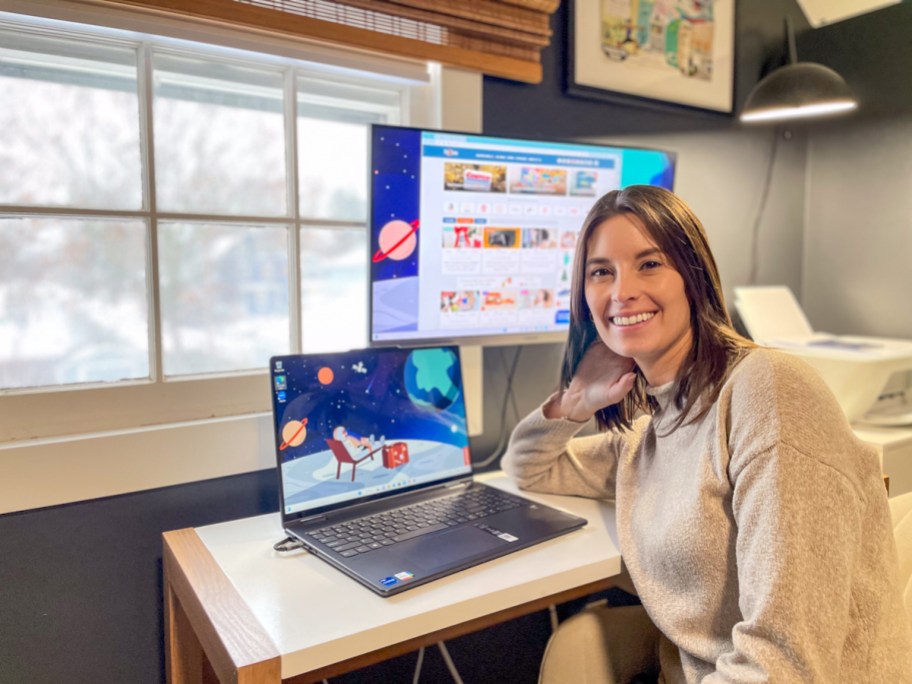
(653, 52)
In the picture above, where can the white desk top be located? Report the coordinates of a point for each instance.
(317, 616)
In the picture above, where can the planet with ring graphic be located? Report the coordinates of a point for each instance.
(397, 240)
(294, 433)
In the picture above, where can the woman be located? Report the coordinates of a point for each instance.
(753, 523)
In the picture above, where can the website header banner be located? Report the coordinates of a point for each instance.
(518, 157)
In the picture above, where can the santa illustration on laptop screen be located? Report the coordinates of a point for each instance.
(357, 424)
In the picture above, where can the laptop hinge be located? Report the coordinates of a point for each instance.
(311, 518)
(461, 484)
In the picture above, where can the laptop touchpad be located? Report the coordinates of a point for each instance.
(455, 547)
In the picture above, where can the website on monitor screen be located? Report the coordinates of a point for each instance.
(474, 236)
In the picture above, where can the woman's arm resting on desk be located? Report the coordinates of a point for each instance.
(543, 456)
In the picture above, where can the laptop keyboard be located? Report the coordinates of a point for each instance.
(363, 535)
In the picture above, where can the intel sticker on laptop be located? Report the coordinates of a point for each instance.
(403, 576)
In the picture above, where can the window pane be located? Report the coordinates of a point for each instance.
(333, 289)
(333, 169)
(224, 296)
(69, 124)
(73, 302)
(219, 138)
(333, 121)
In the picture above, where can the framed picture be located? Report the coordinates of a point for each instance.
(653, 52)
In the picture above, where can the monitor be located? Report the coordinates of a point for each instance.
(473, 236)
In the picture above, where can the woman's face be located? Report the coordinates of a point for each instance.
(637, 298)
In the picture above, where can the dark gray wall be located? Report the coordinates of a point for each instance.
(873, 52)
(859, 209)
(80, 585)
(543, 110)
(859, 229)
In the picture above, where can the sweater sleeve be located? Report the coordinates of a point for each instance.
(544, 455)
(798, 524)
(798, 481)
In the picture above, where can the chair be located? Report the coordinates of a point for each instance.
(342, 456)
(603, 644)
(901, 512)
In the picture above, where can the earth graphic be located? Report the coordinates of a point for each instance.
(429, 378)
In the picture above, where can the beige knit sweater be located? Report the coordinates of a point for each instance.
(759, 538)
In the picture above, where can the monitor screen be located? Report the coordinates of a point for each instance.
(472, 236)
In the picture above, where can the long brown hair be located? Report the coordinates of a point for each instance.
(675, 230)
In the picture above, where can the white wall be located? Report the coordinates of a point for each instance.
(857, 273)
(721, 176)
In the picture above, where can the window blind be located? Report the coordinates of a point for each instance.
(501, 38)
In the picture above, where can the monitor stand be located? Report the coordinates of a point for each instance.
(472, 362)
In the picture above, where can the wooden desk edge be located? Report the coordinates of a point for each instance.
(205, 616)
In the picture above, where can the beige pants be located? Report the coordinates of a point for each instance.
(602, 645)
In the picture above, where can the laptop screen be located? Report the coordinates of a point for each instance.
(363, 424)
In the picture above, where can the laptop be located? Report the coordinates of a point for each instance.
(375, 471)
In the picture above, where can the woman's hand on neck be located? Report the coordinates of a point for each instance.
(603, 378)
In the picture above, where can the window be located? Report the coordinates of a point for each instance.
(172, 214)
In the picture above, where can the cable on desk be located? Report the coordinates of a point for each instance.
(288, 545)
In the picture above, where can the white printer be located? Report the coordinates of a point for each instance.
(857, 369)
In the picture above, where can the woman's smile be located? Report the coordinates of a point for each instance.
(632, 321)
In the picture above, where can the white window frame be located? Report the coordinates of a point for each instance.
(101, 407)
(105, 441)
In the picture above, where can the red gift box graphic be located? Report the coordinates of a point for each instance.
(395, 455)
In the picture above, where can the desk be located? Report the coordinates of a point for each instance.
(894, 446)
(237, 610)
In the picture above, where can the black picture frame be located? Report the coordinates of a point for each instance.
(638, 62)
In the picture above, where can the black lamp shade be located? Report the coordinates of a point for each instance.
(798, 90)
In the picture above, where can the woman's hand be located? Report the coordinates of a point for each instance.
(602, 378)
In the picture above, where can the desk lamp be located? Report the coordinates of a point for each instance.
(797, 90)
